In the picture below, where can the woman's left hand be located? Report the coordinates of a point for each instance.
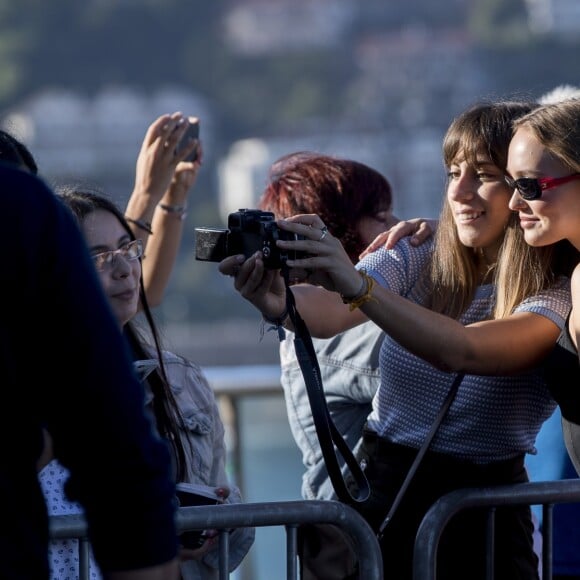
(212, 538)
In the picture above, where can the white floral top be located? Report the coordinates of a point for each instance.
(63, 554)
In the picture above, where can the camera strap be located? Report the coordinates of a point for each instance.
(329, 436)
(421, 453)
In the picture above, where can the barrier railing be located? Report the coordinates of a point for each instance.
(289, 514)
(544, 493)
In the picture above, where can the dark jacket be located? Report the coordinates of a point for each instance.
(64, 365)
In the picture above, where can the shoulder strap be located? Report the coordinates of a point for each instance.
(329, 437)
(421, 453)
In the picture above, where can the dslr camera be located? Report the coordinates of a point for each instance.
(249, 230)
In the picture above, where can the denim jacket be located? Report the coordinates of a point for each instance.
(198, 406)
(349, 367)
(205, 429)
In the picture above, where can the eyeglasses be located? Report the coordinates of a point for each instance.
(531, 187)
(130, 251)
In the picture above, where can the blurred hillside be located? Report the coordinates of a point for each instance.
(380, 81)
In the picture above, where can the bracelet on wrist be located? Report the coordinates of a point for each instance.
(141, 224)
(276, 324)
(364, 294)
(279, 321)
(176, 209)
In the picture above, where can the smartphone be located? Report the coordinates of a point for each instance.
(189, 494)
(192, 132)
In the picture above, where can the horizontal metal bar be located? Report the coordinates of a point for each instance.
(281, 513)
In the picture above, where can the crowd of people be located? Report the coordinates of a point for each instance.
(178, 400)
(480, 300)
(485, 296)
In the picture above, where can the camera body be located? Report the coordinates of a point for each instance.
(249, 231)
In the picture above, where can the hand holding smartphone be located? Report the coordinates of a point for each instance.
(191, 133)
(189, 494)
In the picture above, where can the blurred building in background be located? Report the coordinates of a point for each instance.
(400, 71)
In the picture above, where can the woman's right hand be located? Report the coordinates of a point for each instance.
(157, 158)
(262, 287)
(186, 554)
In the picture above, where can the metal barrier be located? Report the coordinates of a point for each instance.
(224, 517)
(545, 493)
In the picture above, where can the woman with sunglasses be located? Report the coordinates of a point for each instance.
(177, 394)
(544, 174)
(475, 299)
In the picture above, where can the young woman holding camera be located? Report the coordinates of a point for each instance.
(477, 299)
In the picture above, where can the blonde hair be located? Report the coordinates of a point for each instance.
(557, 127)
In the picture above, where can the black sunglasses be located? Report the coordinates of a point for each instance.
(531, 187)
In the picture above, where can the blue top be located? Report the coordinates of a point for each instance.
(56, 322)
(552, 464)
(492, 418)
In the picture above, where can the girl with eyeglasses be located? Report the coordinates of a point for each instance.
(178, 395)
(476, 298)
(544, 174)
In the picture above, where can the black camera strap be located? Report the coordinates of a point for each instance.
(329, 436)
(421, 453)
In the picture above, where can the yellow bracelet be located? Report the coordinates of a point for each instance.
(364, 294)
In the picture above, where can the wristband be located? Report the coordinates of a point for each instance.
(142, 225)
(279, 321)
(364, 294)
(176, 209)
(277, 324)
